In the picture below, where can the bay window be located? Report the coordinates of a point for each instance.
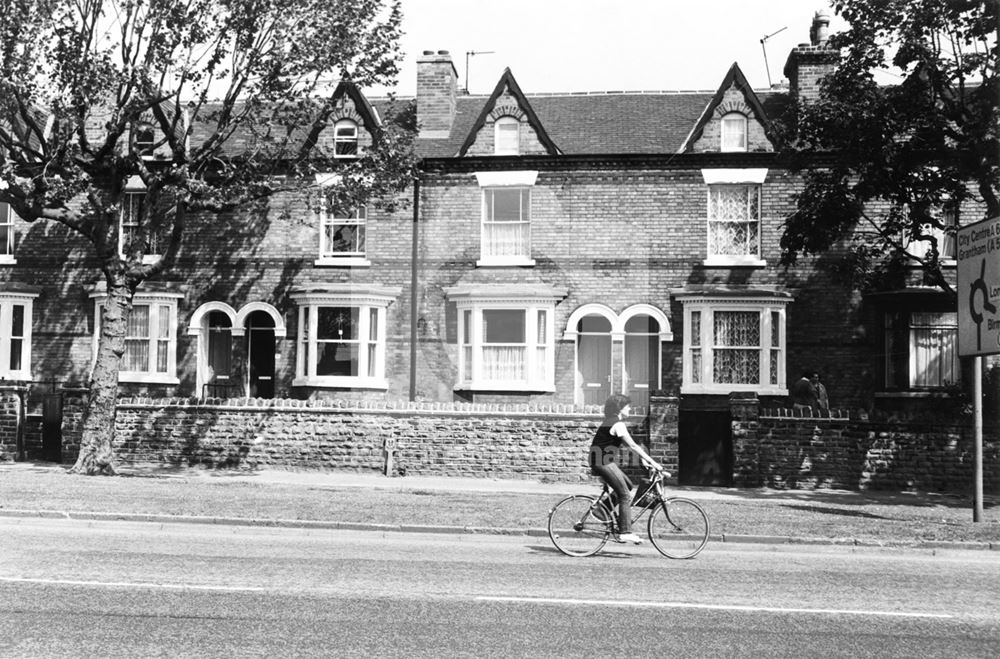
(733, 344)
(150, 337)
(15, 334)
(921, 349)
(506, 339)
(342, 336)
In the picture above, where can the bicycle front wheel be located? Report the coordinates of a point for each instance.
(678, 528)
(578, 526)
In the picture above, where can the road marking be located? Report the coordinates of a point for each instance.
(713, 607)
(132, 584)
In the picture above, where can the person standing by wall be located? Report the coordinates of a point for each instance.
(804, 395)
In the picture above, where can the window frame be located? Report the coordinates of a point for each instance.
(134, 190)
(899, 325)
(698, 377)
(9, 300)
(156, 301)
(538, 306)
(371, 302)
(351, 139)
(724, 133)
(746, 178)
(949, 215)
(7, 219)
(502, 147)
(326, 180)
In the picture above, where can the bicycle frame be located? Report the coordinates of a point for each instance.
(605, 499)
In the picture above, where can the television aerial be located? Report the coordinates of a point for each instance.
(764, 48)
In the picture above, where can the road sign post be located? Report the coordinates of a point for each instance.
(979, 321)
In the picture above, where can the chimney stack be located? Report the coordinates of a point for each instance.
(437, 85)
(809, 63)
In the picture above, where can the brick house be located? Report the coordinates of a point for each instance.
(556, 248)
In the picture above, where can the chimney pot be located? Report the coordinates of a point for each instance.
(428, 52)
(442, 52)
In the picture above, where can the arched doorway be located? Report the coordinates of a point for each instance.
(593, 359)
(260, 346)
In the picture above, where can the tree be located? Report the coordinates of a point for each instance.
(898, 156)
(212, 104)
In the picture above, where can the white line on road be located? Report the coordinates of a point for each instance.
(714, 607)
(132, 584)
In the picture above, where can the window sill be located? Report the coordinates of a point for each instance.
(147, 378)
(7, 259)
(734, 262)
(921, 393)
(726, 389)
(506, 386)
(342, 262)
(518, 261)
(341, 382)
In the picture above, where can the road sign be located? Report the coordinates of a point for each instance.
(979, 288)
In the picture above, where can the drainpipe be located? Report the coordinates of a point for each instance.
(413, 289)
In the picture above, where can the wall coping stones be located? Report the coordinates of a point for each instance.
(344, 405)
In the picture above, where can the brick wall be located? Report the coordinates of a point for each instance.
(776, 448)
(445, 439)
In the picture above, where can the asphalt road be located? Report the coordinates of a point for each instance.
(80, 589)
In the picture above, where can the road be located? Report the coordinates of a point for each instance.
(80, 589)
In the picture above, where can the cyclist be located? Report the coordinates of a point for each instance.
(609, 437)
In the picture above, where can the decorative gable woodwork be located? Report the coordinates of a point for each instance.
(733, 96)
(507, 100)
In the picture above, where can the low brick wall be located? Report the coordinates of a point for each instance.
(774, 448)
(456, 439)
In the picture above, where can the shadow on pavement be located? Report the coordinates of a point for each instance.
(844, 497)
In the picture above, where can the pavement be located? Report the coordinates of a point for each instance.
(343, 479)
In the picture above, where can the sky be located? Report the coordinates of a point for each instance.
(602, 45)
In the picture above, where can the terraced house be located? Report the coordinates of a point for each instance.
(555, 248)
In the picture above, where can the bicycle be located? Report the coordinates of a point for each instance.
(580, 524)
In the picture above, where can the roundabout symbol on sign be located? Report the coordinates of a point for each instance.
(977, 316)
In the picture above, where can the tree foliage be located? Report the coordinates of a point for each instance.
(897, 155)
(211, 104)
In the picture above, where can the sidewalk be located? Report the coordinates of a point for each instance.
(367, 501)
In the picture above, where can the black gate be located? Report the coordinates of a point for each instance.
(705, 448)
(52, 406)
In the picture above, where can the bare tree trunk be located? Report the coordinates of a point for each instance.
(97, 455)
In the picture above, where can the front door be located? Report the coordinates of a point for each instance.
(260, 355)
(593, 360)
(642, 360)
(220, 382)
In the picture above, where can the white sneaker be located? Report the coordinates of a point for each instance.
(630, 537)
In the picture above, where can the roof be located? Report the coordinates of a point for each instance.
(602, 123)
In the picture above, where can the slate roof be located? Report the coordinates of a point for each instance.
(603, 123)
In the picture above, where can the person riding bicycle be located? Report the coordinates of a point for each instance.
(608, 439)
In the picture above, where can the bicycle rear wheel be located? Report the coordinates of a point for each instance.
(578, 526)
(678, 528)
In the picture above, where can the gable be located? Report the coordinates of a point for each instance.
(733, 96)
(347, 104)
(508, 104)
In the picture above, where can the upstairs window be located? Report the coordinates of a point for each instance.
(506, 232)
(507, 137)
(342, 233)
(734, 221)
(734, 132)
(130, 223)
(7, 216)
(943, 232)
(144, 139)
(345, 139)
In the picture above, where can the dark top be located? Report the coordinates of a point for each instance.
(604, 440)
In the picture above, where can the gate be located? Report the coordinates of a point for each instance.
(705, 448)
(52, 407)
